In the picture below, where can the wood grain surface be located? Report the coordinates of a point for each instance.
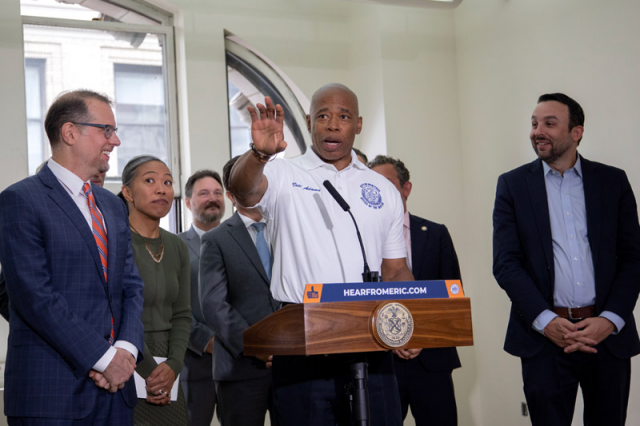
(343, 327)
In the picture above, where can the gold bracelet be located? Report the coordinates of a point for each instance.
(261, 156)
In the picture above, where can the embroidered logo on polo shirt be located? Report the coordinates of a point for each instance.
(371, 196)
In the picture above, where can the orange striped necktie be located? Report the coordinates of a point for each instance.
(100, 235)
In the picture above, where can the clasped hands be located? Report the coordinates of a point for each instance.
(407, 353)
(117, 372)
(159, 384)
(267, 359)
(581, 336)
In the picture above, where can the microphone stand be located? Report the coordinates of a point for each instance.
(368, 276)
(359, 370)
(356, 389)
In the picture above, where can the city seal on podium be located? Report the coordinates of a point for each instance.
(393, 325)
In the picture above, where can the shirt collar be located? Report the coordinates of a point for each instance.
(69, 179)
(199, 231)
(248, 221)
(310, 161)
(577, 167)
(406, 219)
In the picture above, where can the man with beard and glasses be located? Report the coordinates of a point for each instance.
(566, 249)
(205, 198)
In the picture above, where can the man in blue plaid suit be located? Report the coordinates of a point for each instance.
(75, 323)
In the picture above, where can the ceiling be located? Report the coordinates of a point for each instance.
(432, 4)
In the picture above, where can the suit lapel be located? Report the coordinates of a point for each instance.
(239, 233)
(593, 204)
(193, 242)
(61, 197)
(418, 238)
(540, 208)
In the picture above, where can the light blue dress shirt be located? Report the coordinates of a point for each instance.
(574, 285)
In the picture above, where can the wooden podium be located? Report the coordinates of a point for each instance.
(342, 327)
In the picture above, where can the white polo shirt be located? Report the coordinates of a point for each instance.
(314, 240)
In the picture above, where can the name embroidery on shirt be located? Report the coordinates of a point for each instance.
(371, 196)
(305, 188)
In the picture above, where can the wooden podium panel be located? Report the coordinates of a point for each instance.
(343, 327)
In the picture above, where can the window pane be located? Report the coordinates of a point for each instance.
(140, 111)
(34, 83)
(126, 66)
(243, 93)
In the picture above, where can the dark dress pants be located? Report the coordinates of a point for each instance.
(198, 387)
(110, 409)
(310, 390)
(245, 402)
(429, 393)
(551, 380)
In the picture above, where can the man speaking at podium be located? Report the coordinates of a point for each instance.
(314, 241)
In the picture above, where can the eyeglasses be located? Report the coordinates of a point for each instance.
(109, 130)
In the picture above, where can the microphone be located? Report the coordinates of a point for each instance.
(367, 274)
(336, 196)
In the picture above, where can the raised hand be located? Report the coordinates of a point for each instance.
(266, 129)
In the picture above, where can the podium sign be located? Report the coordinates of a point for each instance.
(351, 292)
(314, 328)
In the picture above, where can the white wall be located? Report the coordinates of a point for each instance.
(13, 119)
(508, 53)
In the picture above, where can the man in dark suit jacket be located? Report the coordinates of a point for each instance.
(424, 378)
(75, 323)
(567, 252)
(204, 197)
(4, 298)
(235, 294)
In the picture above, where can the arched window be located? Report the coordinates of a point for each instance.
(251, 76)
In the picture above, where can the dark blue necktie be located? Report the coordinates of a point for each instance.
(263, 248)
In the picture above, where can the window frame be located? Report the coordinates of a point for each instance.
(165, 29)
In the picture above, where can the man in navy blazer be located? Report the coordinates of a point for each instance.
(61, 367)
(566, 249)
(424, 378)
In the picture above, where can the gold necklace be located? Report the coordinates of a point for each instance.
(156, 257)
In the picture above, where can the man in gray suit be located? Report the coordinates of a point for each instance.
(204, 197)
(235, 270)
